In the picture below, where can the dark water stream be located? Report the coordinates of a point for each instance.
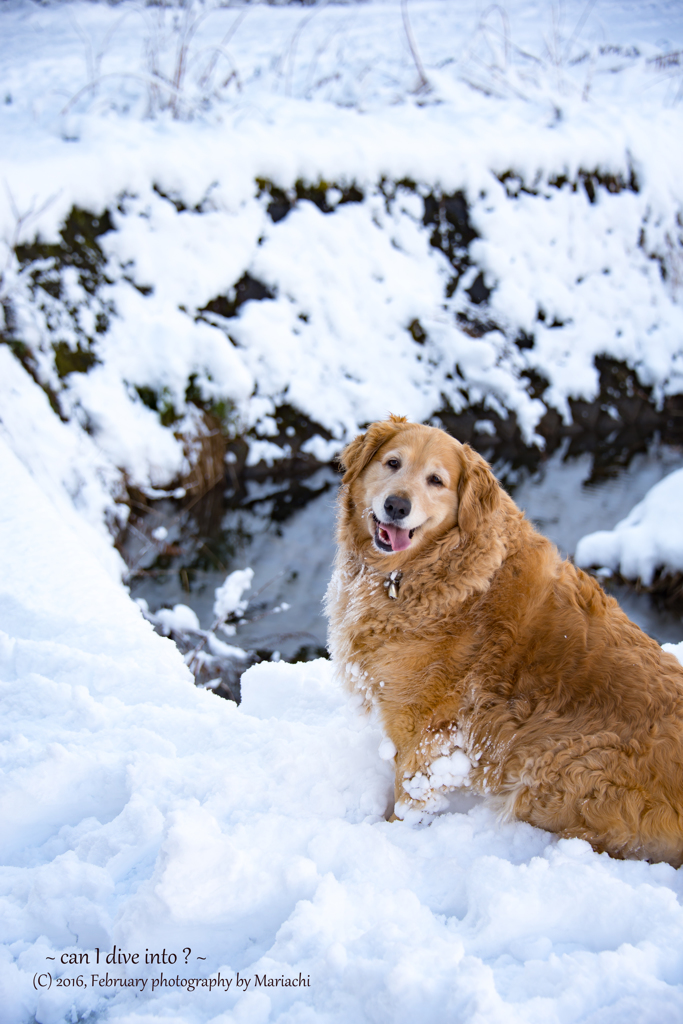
(283, 529)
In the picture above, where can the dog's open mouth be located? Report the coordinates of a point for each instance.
(389, 537)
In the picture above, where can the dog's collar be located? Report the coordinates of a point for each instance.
(392, 583)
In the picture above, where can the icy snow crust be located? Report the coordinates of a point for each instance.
(329, 96)
(141, 812)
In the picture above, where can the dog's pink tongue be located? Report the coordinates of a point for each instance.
(399, 538)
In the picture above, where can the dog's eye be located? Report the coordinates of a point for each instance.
(435, 480)
(393, 464)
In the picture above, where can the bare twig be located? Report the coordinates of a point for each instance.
(20, 222)
(191, 656)
(210, 67)
(153, 80)
(294, 42)
(424, 85)
(87, 44)
(234, 73)
(314, 64)
(189, 29)
(667, 60)
(578, 28)
(267, 584)
(502, 13)
(93, 58)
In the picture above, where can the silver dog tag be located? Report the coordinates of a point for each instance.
(393, 584)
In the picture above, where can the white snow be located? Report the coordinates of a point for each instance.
(223, 650)
(321, 449)
(387, 750)
(144, 815)
(229, 600)
(266, 451)
(63, 460)
(649, 538)
(178, 619)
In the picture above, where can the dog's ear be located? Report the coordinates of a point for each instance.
(478, 491)
(360, 452)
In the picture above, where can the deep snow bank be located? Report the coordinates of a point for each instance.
(142, 813)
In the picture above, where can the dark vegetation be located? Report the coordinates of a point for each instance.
(622, 421)
(281, 201)
(247, 289)
(44, 263)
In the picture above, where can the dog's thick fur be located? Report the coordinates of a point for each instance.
(569, 715)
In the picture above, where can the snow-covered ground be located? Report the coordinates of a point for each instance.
(243, 845)
(249, 843)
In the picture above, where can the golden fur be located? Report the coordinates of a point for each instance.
(497, 649)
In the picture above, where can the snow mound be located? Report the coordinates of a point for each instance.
(178, 619)
(649, 538)
(229, 600)
(246, 847)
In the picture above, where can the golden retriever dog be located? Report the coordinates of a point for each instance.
(494, 664)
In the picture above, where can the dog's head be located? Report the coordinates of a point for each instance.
(408, 485)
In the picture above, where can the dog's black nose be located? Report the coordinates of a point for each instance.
(396, 508)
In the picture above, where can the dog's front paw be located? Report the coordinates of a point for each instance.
(429, 783)
(419, 812)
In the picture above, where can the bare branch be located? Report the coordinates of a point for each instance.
(20, 222)
(577, 28)
(153, 80)
(209, 69)
(291, 55)
(502, 13)
(424, 85)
